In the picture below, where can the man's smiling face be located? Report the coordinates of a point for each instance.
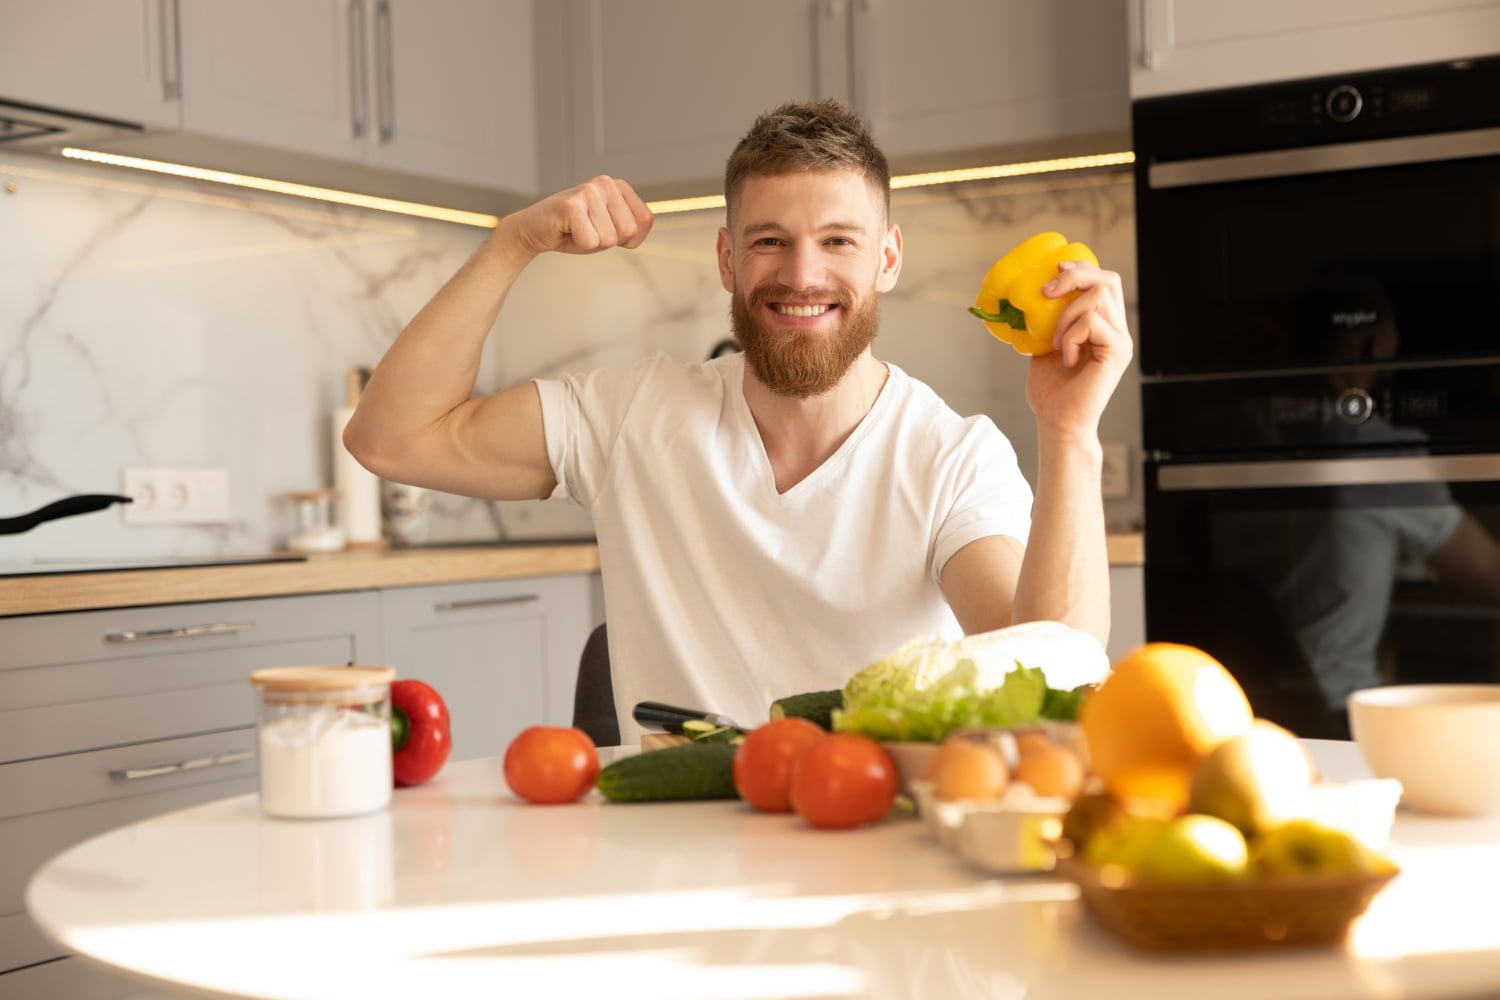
(803, 258)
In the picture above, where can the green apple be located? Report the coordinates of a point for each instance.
(1257, 780)
(1125, 841)
(1196, 848)
(1308, 847)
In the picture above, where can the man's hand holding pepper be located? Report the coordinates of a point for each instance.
(1068, 388)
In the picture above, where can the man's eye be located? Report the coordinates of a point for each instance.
(841, 241)
(767, 241)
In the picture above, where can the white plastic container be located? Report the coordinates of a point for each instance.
(324, 740)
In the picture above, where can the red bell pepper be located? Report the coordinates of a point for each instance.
(420, 732)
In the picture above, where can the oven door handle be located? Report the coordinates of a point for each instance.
(1324, 159)
(1329, 472)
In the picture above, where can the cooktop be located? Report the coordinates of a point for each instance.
(116, 564)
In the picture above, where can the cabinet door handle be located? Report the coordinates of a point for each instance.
(179, 632)
(1148, 53)
(831, 36)
(171, 51)
(359, 95)
(862, 38)
(386, 106)
(484, 602)
(194, 764)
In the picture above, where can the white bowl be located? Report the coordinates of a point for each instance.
(1441, 741)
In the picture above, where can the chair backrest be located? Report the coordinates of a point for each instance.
(594, 693)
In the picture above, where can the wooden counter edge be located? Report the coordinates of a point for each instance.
(44, 594)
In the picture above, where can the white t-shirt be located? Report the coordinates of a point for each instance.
(721, 593)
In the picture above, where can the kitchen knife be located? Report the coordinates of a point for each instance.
(655, 715)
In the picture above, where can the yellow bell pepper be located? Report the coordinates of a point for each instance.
(1010, 300)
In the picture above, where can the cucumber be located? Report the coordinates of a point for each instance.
(816, 706)
(714, 734)
(690, 771)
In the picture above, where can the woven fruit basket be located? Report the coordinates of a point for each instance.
(1274, 912)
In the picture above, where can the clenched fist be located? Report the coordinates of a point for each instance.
(599, 214)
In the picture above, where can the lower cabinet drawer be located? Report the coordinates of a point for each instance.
(48, 805)
(80, 706)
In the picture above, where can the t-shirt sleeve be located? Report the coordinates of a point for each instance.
(989, 495)
(582, 416)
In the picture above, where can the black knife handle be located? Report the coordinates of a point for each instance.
(68, 506)
(670, 718)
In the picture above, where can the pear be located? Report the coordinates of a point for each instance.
(1256, 781)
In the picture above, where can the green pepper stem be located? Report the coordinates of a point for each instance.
(400, 728)
(1008, 314)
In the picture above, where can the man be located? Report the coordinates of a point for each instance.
(769, 522)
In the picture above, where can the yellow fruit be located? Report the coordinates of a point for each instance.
(1164, 708)
(1196, 848)
(1307, 847)
(1257, 780)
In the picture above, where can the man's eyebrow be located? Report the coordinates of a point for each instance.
(828, 227)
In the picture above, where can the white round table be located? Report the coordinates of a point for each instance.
(462, 891)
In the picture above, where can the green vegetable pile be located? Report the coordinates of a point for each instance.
(927, 689)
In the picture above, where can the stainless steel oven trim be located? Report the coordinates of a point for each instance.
(1325, 159)
(1329, 472)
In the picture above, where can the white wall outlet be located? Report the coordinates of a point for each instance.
(177, 496)
(1116, 480)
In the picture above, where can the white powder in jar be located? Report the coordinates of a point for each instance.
(325, 763)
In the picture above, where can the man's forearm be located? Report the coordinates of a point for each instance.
(1065, 572)
(432, 366)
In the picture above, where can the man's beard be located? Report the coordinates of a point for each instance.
(802, 364)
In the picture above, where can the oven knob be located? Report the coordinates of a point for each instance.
(1354, 406)
(1344, 103)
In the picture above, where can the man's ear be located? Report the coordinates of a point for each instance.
(890, 259)
(726, 260)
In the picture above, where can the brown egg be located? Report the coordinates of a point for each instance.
(1050, 769)
(966, 769)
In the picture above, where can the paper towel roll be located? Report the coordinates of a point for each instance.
(359, 488)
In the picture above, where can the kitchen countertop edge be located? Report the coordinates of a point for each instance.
(320, 574)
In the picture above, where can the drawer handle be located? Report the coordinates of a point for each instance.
(195, 764)
(484, 602)
(179, 632)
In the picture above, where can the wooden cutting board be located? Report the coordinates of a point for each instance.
(656, 741)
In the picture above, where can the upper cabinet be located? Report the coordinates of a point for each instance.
(443, 90)
(1179, 46)
(947, 77)
(659, 91)
(108, 58)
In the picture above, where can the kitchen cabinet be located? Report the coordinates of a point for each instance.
(503, 653)
(1178, 46)
(442, 90)
(113, 716)
(658, 92)
(97, 57)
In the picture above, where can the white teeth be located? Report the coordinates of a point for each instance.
(786, 310)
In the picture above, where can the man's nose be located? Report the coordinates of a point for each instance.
(802, 267)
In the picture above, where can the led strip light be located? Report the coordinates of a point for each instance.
(484, 221)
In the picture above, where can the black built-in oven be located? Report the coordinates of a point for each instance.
(1320, 352)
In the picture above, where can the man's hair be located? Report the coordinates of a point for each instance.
(807, 135)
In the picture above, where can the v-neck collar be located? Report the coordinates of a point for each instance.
(765, 474)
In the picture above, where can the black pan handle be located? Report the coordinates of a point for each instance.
(66, 507)
(654, 714)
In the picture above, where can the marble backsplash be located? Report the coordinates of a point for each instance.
(158, 322)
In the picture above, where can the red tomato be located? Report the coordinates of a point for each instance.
(763, 763)
(842, 781)
(551, 764)
(420, 734)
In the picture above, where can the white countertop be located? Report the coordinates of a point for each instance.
(462, 891)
